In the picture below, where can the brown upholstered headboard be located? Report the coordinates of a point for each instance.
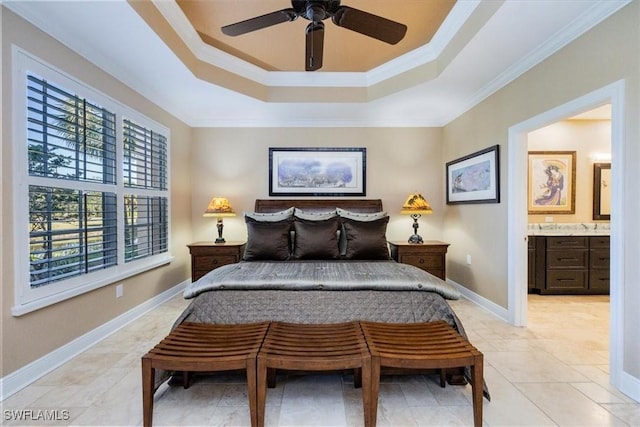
(354, 205)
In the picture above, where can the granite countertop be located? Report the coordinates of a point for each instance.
(569, 229)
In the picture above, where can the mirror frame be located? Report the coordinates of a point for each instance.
(597, 191)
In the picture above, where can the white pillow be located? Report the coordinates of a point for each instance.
(359, 216)
(271, 216)
(314, 216)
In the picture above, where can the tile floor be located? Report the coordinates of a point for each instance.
(554, 372)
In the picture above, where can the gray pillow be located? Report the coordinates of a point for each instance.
(316, 239)
(267, 240)
(366, 240)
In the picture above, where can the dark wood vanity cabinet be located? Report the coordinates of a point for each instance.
(569, 264)
(599, 254)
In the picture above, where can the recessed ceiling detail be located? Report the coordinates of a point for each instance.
(268, 65)
(281, 47)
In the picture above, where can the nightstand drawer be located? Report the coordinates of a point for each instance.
(430, 256)
(207, 256)
(211, 262)
(424, 261)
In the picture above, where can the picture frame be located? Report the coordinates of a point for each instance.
(317, 171)
(602, 191)
(474, 178)
(551, 182)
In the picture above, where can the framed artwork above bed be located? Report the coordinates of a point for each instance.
(317, 171)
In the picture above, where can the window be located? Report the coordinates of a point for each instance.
(95, 196)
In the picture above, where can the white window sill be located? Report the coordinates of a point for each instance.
(28, 307)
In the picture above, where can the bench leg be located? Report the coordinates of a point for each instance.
(366, 383)
(357, 377)
(148, 375)
(271, 377)
(186, 379)
(477, 376)
(252, 391)
(261, 392)
(371, 415)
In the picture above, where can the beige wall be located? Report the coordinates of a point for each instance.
(586, 138)
(233, 163)
(31, 336)
(605, 54)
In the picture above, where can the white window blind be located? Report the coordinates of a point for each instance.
(91, 188)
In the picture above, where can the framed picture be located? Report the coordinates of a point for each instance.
(552, 182)
(317, 171)
(474, 178)
(602, 191)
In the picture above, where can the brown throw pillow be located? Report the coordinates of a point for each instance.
(267, 240)
(316, 239)
(366, 240)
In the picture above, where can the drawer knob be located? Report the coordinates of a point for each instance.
(421, 261)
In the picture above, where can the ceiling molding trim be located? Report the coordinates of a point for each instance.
(587, 20)
(453, 22)
(309, 122)
(176, 18)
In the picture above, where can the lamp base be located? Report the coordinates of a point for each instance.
(416, 239)
(220, 240)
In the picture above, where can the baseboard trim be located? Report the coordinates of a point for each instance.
(630, 386)
(481, 301)
(35, 370)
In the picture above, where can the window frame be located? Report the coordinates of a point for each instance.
(28, 299)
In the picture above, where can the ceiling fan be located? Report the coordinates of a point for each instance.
(316, 11)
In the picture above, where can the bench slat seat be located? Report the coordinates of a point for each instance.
(313, 347)
(432, 345)
(196, 347)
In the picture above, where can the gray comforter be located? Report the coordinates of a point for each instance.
(321, 275)
(319, 292)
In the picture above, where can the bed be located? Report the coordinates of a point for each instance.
(318, 261)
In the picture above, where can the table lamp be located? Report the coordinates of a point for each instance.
(219, 207)
(416, 206)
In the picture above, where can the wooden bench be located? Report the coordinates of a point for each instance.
(433, 345)
(313, 347)
(197, 347)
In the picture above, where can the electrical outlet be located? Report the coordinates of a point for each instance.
(548, 219)
(468, 259)
(119, 290)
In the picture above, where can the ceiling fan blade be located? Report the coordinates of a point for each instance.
(260, 22)
(315, 45)
(370, 25)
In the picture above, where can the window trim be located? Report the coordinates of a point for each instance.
(29, 299)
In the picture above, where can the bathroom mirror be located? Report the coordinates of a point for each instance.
(602, 191)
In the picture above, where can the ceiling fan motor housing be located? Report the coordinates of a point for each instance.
(315, 10)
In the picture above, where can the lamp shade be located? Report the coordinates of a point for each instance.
(219, 207)
(416, 204)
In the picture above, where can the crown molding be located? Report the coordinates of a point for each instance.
(597, 13)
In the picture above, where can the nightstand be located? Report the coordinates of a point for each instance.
(206, 256)
(431, 256)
